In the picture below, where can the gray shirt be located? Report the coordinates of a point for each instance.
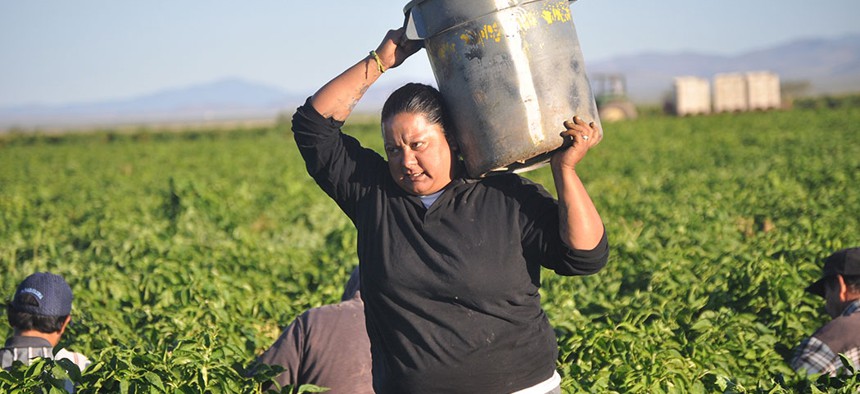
(325, 346)
(25, 349)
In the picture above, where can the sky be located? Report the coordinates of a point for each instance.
(56, 52)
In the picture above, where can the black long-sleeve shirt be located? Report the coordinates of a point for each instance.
(450, 291)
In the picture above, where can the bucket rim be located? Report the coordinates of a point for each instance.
(409, 24)
(411, 5)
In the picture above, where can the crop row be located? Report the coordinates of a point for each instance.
(189, 251)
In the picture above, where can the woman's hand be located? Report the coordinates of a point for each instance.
(580, 226)
(395, 48)
(338, 97)
(584, 136)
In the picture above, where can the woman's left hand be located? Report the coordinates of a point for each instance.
(580, 226)
(584, 135)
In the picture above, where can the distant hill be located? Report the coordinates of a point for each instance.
(828, 65)
(230, 99)
(220, 100)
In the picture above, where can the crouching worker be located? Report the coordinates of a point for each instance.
(840, 288)
(39, 313)
(326, 346)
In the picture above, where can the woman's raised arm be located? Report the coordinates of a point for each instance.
(339, 96)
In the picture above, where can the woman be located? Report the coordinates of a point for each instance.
(450, 266)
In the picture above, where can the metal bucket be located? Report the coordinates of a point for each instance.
(511, 72)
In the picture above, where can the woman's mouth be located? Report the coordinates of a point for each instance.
(414, 176)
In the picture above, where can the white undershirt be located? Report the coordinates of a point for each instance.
(428, 200)
(543, 387)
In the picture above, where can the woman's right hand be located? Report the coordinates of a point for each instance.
(395, 48)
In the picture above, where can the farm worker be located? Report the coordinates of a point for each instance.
(840, 287)
(450, 266)
(326, 346)
(39, 313)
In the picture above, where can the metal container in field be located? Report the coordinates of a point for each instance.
(510, 71)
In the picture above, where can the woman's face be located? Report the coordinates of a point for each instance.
(419, 157)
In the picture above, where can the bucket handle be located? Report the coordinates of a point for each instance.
(415, 29)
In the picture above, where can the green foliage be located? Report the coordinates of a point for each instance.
(42, 375)
(189, 251)
(829, 102)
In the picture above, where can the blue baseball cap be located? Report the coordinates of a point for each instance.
(52, 294)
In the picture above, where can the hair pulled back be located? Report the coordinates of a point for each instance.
(417, 98)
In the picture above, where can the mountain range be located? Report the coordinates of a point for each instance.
(829, 66)
(826, 66)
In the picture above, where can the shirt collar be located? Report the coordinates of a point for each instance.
(20, 341)
(854, 306)
(428, 200)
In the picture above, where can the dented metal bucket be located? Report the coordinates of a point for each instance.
(510, 71)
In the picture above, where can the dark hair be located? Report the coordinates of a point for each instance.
(417, 98)
(852, 283)
(24, 321)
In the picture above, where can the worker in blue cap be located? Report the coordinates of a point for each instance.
(39, 314)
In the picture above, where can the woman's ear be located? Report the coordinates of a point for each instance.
(452, 142)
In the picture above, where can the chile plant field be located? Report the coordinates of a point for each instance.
(189, 251)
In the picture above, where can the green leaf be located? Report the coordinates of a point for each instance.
(847, 364)
(56, 390)
(154, 380)
(309, 388)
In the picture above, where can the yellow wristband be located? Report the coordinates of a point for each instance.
(379, 65)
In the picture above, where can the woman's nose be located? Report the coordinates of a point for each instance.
(408, 158)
